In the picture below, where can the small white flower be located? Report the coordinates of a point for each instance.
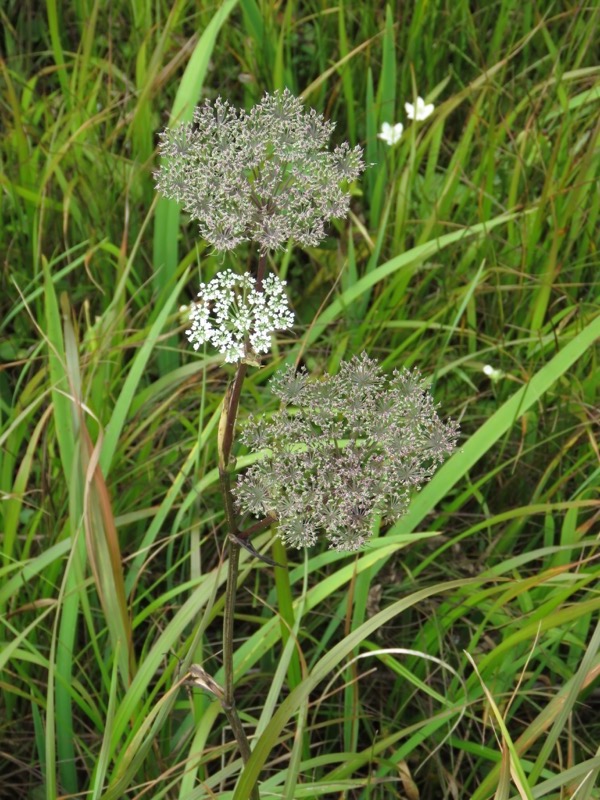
(390, 133)
(420, 110)
(492, 373)
(237, 319)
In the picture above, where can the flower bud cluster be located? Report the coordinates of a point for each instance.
(263, 176)
(341, 450)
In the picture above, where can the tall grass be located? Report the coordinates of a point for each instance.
(459, 654)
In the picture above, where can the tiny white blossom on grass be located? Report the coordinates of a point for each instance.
(236, 318)
(493, 374)
(390, 133)
(420, 110)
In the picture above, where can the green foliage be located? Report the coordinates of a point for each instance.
(471, 242)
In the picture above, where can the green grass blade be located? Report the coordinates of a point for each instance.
(136, 371)
(495, 427)
(59, 384)
(404, 260)
(321, 670)
(166, 218)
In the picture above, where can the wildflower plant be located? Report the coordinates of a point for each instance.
(418, 111)
(356, 445)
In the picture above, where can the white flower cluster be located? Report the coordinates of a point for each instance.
(235, 317)
(418, 111)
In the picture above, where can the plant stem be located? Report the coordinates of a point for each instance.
(233, 552)
(226, 435)
(228, 417)
(233, 557)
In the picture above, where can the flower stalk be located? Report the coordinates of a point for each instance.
(228, 417)
(227, 423)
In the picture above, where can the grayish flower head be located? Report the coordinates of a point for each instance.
(264, 176)
(341, 450)
(235, 317)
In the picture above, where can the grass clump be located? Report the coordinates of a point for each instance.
(456, 654)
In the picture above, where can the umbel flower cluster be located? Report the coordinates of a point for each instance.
(264, 176)
(341, 450)
(235, 317)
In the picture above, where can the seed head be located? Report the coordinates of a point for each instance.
(263, 176)
(342, 449)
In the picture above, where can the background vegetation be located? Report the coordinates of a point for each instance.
(458, 655)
